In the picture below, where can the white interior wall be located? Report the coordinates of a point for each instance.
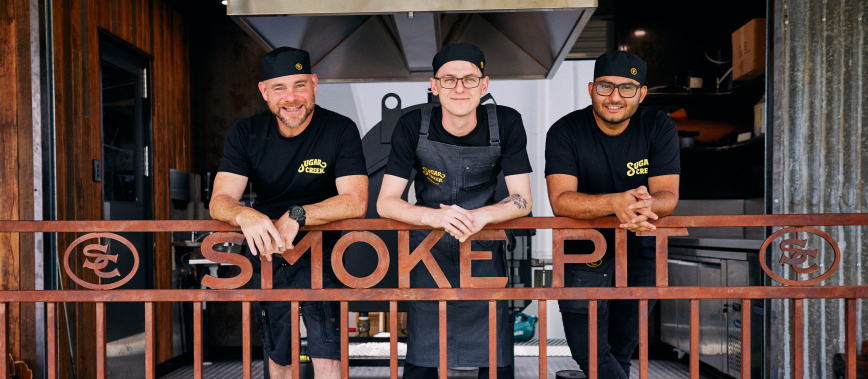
(540, 102)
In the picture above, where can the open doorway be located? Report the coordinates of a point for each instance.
(127, 191)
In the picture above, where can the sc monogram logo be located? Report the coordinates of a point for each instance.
(97, 260)
(799, 254)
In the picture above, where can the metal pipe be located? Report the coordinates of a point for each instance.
(247, 358)
(643, 339)
(542, 306)
(150, 341)
(443, 366)
(745, 338)
(592, 339)
(393, 339)
(694, 339)
(198, 370)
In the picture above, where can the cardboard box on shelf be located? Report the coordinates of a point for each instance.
(759, 117)
(749, 50)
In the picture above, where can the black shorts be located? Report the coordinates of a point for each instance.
(321, 318)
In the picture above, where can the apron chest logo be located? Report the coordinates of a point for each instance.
(637, 168)
(313, 166)
(433, 176)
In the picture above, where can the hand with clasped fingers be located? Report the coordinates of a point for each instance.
(458, 222)
(633, 209)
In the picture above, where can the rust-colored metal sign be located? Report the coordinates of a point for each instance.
(799, 256)
(100, 260)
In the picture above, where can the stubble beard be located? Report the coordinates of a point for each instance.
(630, 110)
(285, 121)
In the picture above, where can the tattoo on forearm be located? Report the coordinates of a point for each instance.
(516, 199)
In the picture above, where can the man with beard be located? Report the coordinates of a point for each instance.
(613, 157)
(306, 165)
(457, 149)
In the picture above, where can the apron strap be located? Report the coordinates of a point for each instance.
(426, 120)
(493, 129)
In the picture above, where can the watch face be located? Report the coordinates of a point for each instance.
(297, 212)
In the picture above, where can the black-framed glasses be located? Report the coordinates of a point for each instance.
(626, 90)
(468, 82)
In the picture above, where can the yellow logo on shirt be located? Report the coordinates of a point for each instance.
(313, 166)
(435, 177)
(637, 168)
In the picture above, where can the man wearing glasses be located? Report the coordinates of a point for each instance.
(613, 157)
(457, 149)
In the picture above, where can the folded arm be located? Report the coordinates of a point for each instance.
(633, 207)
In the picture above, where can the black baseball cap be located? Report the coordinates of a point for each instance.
(459, 52)
(623, 64)
(284, 61)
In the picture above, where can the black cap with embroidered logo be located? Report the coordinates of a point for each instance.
(623, 64)
(284, 61)
(459, 52)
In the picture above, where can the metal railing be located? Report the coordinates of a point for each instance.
(488, 289)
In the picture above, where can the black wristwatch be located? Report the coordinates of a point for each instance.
(296, 212)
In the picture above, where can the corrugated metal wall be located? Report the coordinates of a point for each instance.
(820, 135)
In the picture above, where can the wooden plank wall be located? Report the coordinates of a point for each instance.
(16, 172)
(158, 31)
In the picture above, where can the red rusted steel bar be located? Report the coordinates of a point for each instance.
(393, 339)
(746, 311)
(294, 336)
(851, 340)
(51, 365)
(150, 341)
(592, 339)
(442, 347)
(643, 339)
(620, 258)
(433, 294)
(542, 306)
(198, 359)
(382, 224)
(694, 339)
(246, 354)
(345, 341)
(101, 364)
(492, 339)
(266, 272)
(661, 236)
(4, 352)
(798, 348)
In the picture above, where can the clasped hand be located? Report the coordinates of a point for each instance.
(458, 222)
(633, 209)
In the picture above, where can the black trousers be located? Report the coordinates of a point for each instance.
(617, 323)
(412, 371)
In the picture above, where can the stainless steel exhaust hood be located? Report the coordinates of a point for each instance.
(395, 40)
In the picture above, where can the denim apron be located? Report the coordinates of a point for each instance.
(462, 175)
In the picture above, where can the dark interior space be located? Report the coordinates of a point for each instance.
(224, 72)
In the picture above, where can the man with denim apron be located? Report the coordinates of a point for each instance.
(457, 149)
(613, 157)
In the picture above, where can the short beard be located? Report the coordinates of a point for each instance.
(626, 117)
(289, 124)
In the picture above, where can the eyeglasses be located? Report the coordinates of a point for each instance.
(626, 90)
(468, 82)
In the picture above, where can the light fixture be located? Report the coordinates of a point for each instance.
(639, 33)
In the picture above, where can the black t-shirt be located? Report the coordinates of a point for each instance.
(603, 164)
(297, 170)
(513, 140)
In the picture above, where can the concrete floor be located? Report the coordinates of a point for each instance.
(525, 368)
